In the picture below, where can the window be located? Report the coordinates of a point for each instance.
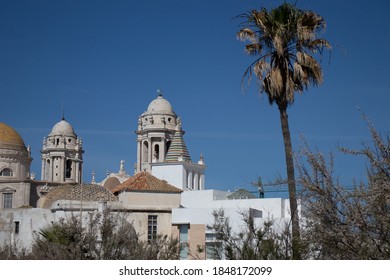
(156, 154)
(16, 227)
(183, 241)
(145, 152)
(152, 227)
(68, 169)
(6, 172)
(7, 200)
(212, 246)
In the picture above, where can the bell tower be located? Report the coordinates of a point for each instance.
(156, 128)
(62, 155)
(161, 149)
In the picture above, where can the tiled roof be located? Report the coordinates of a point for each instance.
(86, 192)
(178, 148)
(145, 182)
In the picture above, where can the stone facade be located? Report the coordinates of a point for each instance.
(15, 160)
(62, 155)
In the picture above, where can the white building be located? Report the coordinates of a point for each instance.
(196, 212)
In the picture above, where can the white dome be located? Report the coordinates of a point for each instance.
(62, 128)
(160, 105)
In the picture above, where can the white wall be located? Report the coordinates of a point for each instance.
(173, 174)
(30, 222)
(199, 206)
(182, 175)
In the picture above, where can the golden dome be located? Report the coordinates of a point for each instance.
(10, 136)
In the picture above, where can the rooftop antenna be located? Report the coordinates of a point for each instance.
(63, 114)
(259, 185)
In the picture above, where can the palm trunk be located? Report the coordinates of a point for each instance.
(291, 184)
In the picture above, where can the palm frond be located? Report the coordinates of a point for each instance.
(308, 25)
(261, 68)
(318, 45)
(246, 34)
(312, 68)
(261, 20)
(300, 77)
(253, 49)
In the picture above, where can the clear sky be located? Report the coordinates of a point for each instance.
(105, 60)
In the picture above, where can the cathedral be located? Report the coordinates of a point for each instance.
(161, 151)
(165, 195)
(163, 170)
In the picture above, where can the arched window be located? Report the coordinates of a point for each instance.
(156, 154)
(145, 152)
(7, 172)
(68, 170)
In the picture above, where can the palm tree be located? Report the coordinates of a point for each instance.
(284, 41)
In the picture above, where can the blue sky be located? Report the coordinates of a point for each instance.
(105, 60)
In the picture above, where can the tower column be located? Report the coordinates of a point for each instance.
(196, 181)
(184, 178)
(49, 170)
(138, 155)
(80, 171)
(190, 180)
(163, 148)
(77, 174)
(62, 169)
(201, 182)
(43, 169)
(150, 151)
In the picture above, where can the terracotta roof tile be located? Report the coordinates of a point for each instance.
(146, 182)
(89, 192)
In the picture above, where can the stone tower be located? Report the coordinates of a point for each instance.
(62, 155)
(156, 128)
(161, 149)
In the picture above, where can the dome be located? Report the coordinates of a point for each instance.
(62, 128)
(160, 105)
(85, 192)
(10, 136)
